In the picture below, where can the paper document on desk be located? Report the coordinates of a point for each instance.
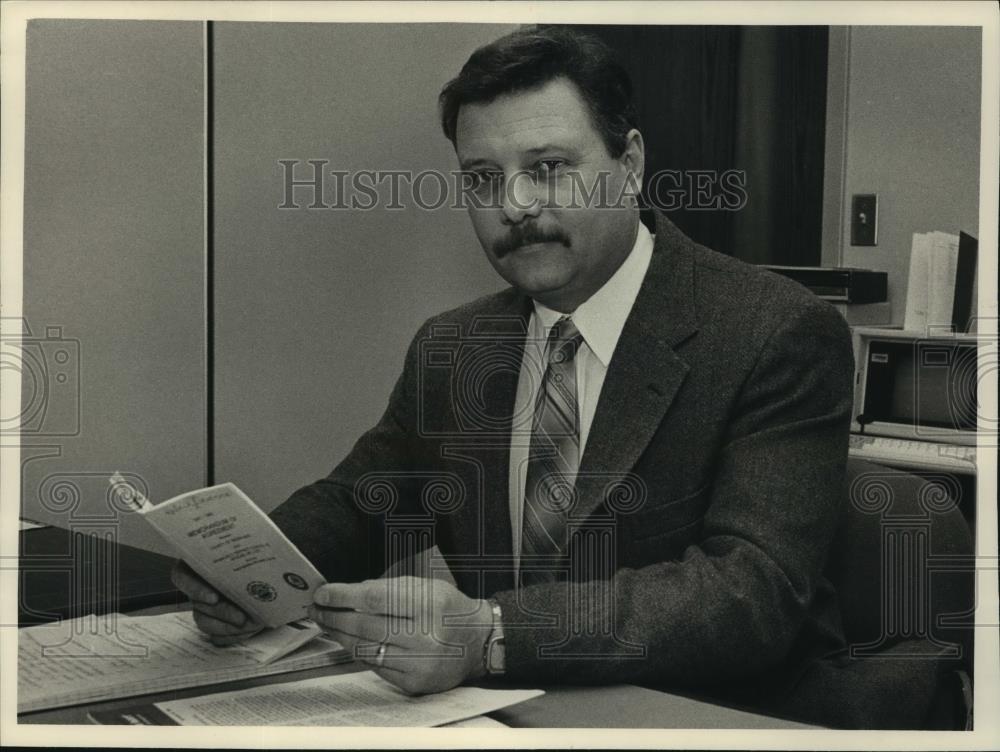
(235, 547)
(479, 722)
(360, 699)
(96, 658)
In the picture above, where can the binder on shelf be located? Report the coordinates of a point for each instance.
(965, 282)
(941, 283)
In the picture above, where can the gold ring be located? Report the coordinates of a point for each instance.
(380, 655)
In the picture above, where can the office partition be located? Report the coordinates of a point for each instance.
(113, 371)
(217, 336)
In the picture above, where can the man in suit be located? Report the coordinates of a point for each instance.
(631, 461)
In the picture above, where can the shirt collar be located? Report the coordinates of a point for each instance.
(601, 318)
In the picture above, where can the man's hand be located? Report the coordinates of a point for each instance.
(223, 621)
(433, 635)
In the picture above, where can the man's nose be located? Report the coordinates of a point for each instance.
(520, 198)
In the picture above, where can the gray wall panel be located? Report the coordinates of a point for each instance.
(315, 308)
(113, 254)
(912, 137)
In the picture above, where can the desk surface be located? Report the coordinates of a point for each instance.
(50, 557)
(620, 706)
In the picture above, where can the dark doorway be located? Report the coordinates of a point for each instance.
(727, 110)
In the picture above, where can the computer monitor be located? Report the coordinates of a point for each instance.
(914, 386)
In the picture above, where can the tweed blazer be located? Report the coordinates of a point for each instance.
(706, 500)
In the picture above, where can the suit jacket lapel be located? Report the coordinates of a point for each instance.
(484, 529)
(645, 371)
(499, 395)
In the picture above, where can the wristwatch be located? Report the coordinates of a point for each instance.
(495, 651)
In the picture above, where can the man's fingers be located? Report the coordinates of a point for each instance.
(228, 613)
(352, 644)
(398, 596)
(226, 640)
(391, 675)
(217, 627)
(369, 596)
(363, 635)
(369, 627)
(390, 667)
(367, 652)
(392, 626)
(212, 613)
(194, 587)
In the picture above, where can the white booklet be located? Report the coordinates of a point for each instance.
(97, 658)
(358, 699)
(234, 546)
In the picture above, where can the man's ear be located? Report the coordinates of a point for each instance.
(633, 159)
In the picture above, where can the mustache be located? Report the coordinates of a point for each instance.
(521, 235)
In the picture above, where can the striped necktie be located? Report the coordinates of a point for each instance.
(553, 459)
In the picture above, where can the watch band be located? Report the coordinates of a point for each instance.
(494, 651)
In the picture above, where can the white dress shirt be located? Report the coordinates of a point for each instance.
(600, 320)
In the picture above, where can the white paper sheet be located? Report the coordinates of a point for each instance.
(918, 284)
(101, 657)
(941, 282)
(274, 644)
(360, 699)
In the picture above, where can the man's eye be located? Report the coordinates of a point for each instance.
(488, 177)
(549, 169)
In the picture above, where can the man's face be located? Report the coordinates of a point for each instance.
(537, 158)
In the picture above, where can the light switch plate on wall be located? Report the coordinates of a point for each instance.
(864, 219)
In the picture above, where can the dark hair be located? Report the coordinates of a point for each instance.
(529, 58)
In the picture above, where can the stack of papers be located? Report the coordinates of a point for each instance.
(97, 658)
(359, 699)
